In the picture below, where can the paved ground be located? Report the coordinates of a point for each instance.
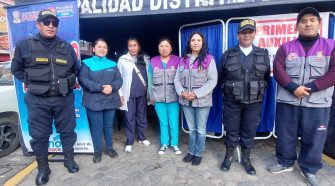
(13, 163)
(144, 167)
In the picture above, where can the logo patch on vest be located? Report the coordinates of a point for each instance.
(42, 60)
(319, 56)
(156, 69)
(181, 68)
(292, 56)
(63, 61)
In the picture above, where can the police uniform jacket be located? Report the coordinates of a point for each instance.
(244, 78)
(48, 67)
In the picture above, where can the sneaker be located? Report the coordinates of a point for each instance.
(145, 142)
(128, 148)
(162, 150)
(277, 168)
(311, 179)
(111, 153)
(176, 150)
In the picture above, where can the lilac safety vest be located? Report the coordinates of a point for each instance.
(194, 79)
(304, 68)
(163, 89)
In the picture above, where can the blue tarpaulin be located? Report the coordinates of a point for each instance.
(213, 35)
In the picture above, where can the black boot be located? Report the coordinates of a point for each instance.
(43, 171)
(196, 160)
(97, 157)
(188, 158)
(111, 153)
(225, 166)
(69, 162)
(246, 161)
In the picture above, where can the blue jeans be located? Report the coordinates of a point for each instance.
(168, 114)
(102, 122)
(196, 118)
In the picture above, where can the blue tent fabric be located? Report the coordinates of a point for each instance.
(331, 27)
(269, 101)
(232, 35)
(268, 108)
(214, 37)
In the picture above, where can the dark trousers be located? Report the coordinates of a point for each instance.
(241, 122)
(311, 124)
(136, 118)
(101, 123)
(41, 112)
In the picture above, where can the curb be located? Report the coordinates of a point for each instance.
(20, 175)
(328, 160)
(17, 178)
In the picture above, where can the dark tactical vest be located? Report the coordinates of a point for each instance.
(49, 71)
(242, 84)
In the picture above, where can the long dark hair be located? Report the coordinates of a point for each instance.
(141, 54)
(203, 51)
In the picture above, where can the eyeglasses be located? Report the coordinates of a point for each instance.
(46, 22)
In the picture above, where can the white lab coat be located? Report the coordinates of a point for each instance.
(126, 66)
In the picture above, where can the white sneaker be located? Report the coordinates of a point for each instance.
(162, 150)
(145, 143)
(128, 148)
(176, 150)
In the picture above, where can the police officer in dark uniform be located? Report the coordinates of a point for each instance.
(48, 66)
(244, 71)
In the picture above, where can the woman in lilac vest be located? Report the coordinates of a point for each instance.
(195, 80)
(161, 73)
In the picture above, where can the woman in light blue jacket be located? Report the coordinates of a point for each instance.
(100, 79)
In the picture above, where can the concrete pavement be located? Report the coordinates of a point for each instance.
(144, 167)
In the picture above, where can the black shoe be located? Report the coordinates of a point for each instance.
(225, 166)
(96, 157)
(188, 158)
(111, 153)
(246, 161)
(69, 162)
(43, 171)
(196, 160)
